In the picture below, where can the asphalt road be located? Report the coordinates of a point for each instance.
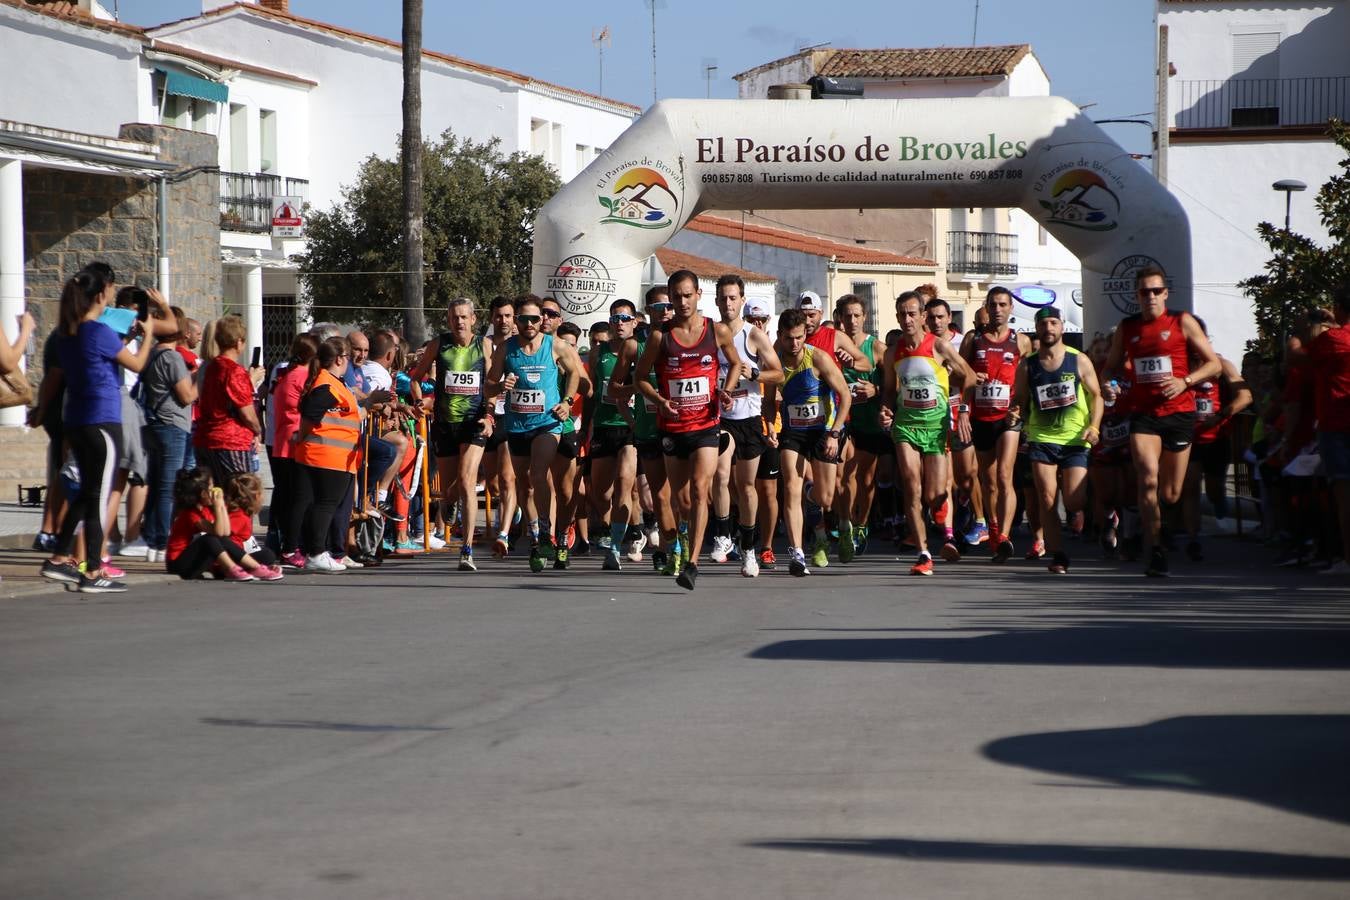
(412, 732)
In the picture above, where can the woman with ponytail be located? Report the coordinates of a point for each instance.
(284, 421)
(324, 450)
(89, 352)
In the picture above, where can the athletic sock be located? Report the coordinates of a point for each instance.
(747, 538)
(616, 536)
(721, 526)
(545, 527)
(648, 521)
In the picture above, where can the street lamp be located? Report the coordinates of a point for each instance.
(1289, 186)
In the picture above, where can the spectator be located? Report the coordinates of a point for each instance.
(167, 395)
(90, 352)
(228, 428)
(243, 499)
(11, 355)
(325, 451)
(1330, 356)
(284, 420)
(200, 540)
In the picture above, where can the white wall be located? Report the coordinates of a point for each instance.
(1226, 191)
(795, 71)
(1200, 37)
(924, 88)
(356, 109)
(594, 129)
(290, 102)
(71, 77)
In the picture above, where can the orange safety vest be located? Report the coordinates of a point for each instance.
(334, 443)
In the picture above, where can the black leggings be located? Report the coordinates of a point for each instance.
(317, 493)
(97, 449)
(204, 552)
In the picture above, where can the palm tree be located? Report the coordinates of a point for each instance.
(414, 321)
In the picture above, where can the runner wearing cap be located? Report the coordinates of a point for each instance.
(992, 352)
(846, 354)
(1061, 407)
(689, 400)
(1157, 345)
(742, 423)
(914, 400)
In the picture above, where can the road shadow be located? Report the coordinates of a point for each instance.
(1152, 644)
(307, 725)
(1169, 860)
(1298, 763)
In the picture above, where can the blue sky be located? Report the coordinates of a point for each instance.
(1095, 51)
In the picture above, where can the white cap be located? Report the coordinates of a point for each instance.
(756, 308)
(810, 300)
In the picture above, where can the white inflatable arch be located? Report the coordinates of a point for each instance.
(682, 157)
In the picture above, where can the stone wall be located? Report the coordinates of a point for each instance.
(74, 218)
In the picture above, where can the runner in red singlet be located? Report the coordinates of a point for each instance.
(1157, 346)
(689, 402)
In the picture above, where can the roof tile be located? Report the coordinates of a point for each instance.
(928, 62)
(674, 260)
(802, 243)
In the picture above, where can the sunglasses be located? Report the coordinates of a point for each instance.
(551, 314)
(660, 307)
(528, 319)
(1152, 292)
(757, 318)
(620, 318)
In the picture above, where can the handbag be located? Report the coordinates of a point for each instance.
(15, 389)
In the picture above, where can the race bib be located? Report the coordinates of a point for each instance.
(1152, 369)
(1116, 433)
(805, 415)
(690, 392)
(1204, 407)
(993, 395)
(523, 401)
(1056, 395)
(463, 382)
(919, 394)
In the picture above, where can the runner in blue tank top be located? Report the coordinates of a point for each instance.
(525, 368)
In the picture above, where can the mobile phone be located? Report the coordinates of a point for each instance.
(142, 304)
(257, 358)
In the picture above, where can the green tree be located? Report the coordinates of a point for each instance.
(479, 207)
(1300, 274)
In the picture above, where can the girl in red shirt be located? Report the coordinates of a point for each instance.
(199, 539)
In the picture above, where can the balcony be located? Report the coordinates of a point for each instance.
(981, 253)
(246, 200)
(1260, 102)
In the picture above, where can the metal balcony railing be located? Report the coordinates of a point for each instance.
(1260, 102)
(246, 199)
(981, 253)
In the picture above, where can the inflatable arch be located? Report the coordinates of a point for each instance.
(682, 157)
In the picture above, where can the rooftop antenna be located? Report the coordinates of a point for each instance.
(654, 5)
(601, 39)
(709, 70)
(975, 33)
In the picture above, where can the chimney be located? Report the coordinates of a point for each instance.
(281, 6)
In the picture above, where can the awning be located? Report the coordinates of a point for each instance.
(184, 85)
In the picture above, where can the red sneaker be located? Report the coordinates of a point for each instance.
(924, 565)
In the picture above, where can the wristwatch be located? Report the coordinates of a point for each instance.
(754, 374)
(834, 433)
(963, 408)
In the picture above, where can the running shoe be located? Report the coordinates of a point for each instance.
(387, 510)
(767, 560)
(749, 565)
(977, 535)
(236, 573)
(820, 557)
(797, 564)
(133, 549)
(687, 577)
(1194, 552)
(112, 571)
(659, 561)
(66, 573)
(1341, 568)
(466, 563)
(1109, 544)
(923, 565)
(536, 560)
(1059, 564)
(653, 536)
(409, 546)
(435, 543)
(612, 563)
(950, 552)
(1157, 563)
(324, 562)
(100, 585)
(347, 562)
(268, 573)
(501, 546)
(847, 548)
(44, 542)
(1003, 552)
(636, 546)
(1037, 551)
(674, 562)
(560, 559)
(547, 549)
(721, 549)
(293, 560)
(604, 542)
(581, 548)
(859, 540)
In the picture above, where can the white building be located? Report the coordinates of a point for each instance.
(974, 248)
(1254, 85)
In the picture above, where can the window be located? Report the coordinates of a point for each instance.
(238, 138)
(1255, 88)
(958, 217)
(1042, 236)
(556, 146)
(583, 156)
(866, 291)
(267, 140)
(539, 137)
